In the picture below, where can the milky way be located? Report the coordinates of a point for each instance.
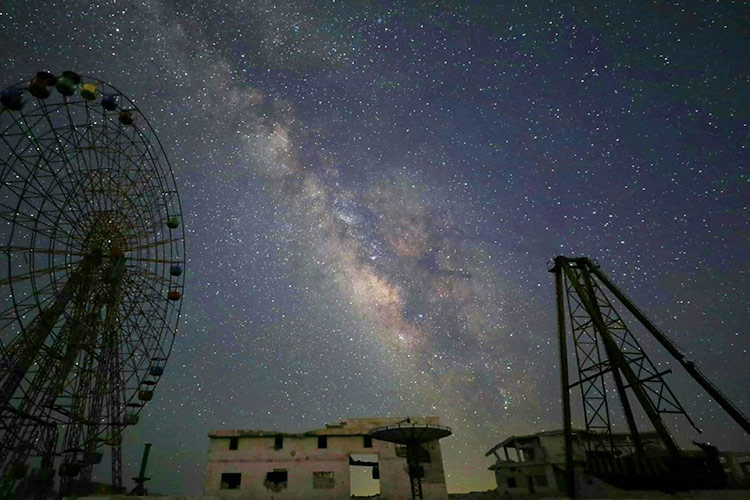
(373, 190)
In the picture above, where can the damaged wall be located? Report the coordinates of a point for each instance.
(272, 465)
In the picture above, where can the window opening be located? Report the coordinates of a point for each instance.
(278, 442)
(368, 441)
(322, 441)
(276, 480)
(230, 481)
(364, 475)
(233, 443)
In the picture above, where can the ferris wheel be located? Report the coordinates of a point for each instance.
(91, 275)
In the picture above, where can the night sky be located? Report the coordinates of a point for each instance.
(372, 191)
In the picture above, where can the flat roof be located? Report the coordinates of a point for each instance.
(230, 433)
(345, 427)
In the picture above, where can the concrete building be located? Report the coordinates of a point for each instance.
(535, 463)
(337, 462)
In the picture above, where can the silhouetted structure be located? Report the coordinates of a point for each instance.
(412, 436)
(606, 351)
(535, 463)
(91, 278)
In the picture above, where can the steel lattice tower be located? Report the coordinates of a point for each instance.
(607, 353)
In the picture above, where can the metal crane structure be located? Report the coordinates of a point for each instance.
(607, 353)
(90, 278)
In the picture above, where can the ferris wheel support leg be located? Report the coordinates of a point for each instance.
(44, 482)
(8, 488)
(25, 349)
(53, 366)
(74, 431)
(81, 325)
(115, 379)
(74, 435)
(114, 415)
(18, 434)
(109, 350)
(20, 431)
(117, 468)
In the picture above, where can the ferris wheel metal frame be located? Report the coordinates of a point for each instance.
(91, 293)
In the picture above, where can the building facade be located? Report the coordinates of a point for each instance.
(535, 463)
(328, 463)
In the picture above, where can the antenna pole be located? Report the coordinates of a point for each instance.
(139, 490)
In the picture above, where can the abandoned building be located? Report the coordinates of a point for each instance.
(340, 461)
(535, 463)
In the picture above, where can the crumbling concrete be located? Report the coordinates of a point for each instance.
(251, 464)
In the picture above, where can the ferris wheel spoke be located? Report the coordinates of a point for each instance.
(149, 196)
(70, 142)
(34, 202)
(72, 154)
(155, 261)
(37, 227)
(83, 139)
(118, 190)
(149, 274)
(47, 229)
(8, 249)
(35, 273)
(46, 161)
(93, 160)
(142, 322)
(157, 244)
(25, 304)
(155, 296)
(145, 328)
(69, 253)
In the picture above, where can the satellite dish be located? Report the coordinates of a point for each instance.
(411, 436)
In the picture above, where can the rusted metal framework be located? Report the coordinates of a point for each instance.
(606, 353)
(90, 292)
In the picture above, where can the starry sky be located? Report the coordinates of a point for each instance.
(372, 191)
